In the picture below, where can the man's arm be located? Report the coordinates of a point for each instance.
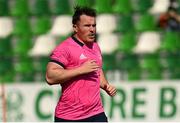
(110, 89)
(56, 74)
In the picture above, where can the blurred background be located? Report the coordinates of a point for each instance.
(139, 39)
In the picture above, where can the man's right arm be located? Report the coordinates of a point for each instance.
(55, 74)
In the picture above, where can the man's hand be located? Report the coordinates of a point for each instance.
(110, 89)
(88, 66)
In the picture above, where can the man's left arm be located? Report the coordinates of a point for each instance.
(110, 89)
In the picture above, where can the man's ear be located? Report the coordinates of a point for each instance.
(75, 28)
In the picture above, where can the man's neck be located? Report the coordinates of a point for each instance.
(79, 39)
(88, 44)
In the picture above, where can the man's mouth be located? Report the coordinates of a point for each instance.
(92, 35)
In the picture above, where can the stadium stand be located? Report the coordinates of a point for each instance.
(22, 27)
(122, 7)
(124, 22)
(4, 7)
(103, 6)
(20, 8)
(127, 32)
(61, 7)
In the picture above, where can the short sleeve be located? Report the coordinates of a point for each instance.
(98, 48)
(60, 56)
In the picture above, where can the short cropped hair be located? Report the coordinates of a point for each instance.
(82, 11)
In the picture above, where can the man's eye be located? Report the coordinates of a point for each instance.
(87, 25)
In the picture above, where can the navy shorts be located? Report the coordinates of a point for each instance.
(96, 118)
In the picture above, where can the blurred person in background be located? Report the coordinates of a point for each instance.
(76, 64)
(170, 21)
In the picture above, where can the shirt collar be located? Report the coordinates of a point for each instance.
(77, 41)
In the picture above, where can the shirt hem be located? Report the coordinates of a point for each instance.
(80, 118)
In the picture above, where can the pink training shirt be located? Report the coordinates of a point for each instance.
(81, 95)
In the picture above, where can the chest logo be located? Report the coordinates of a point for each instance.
(82, 56)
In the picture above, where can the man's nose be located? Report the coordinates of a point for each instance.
(92, 28)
